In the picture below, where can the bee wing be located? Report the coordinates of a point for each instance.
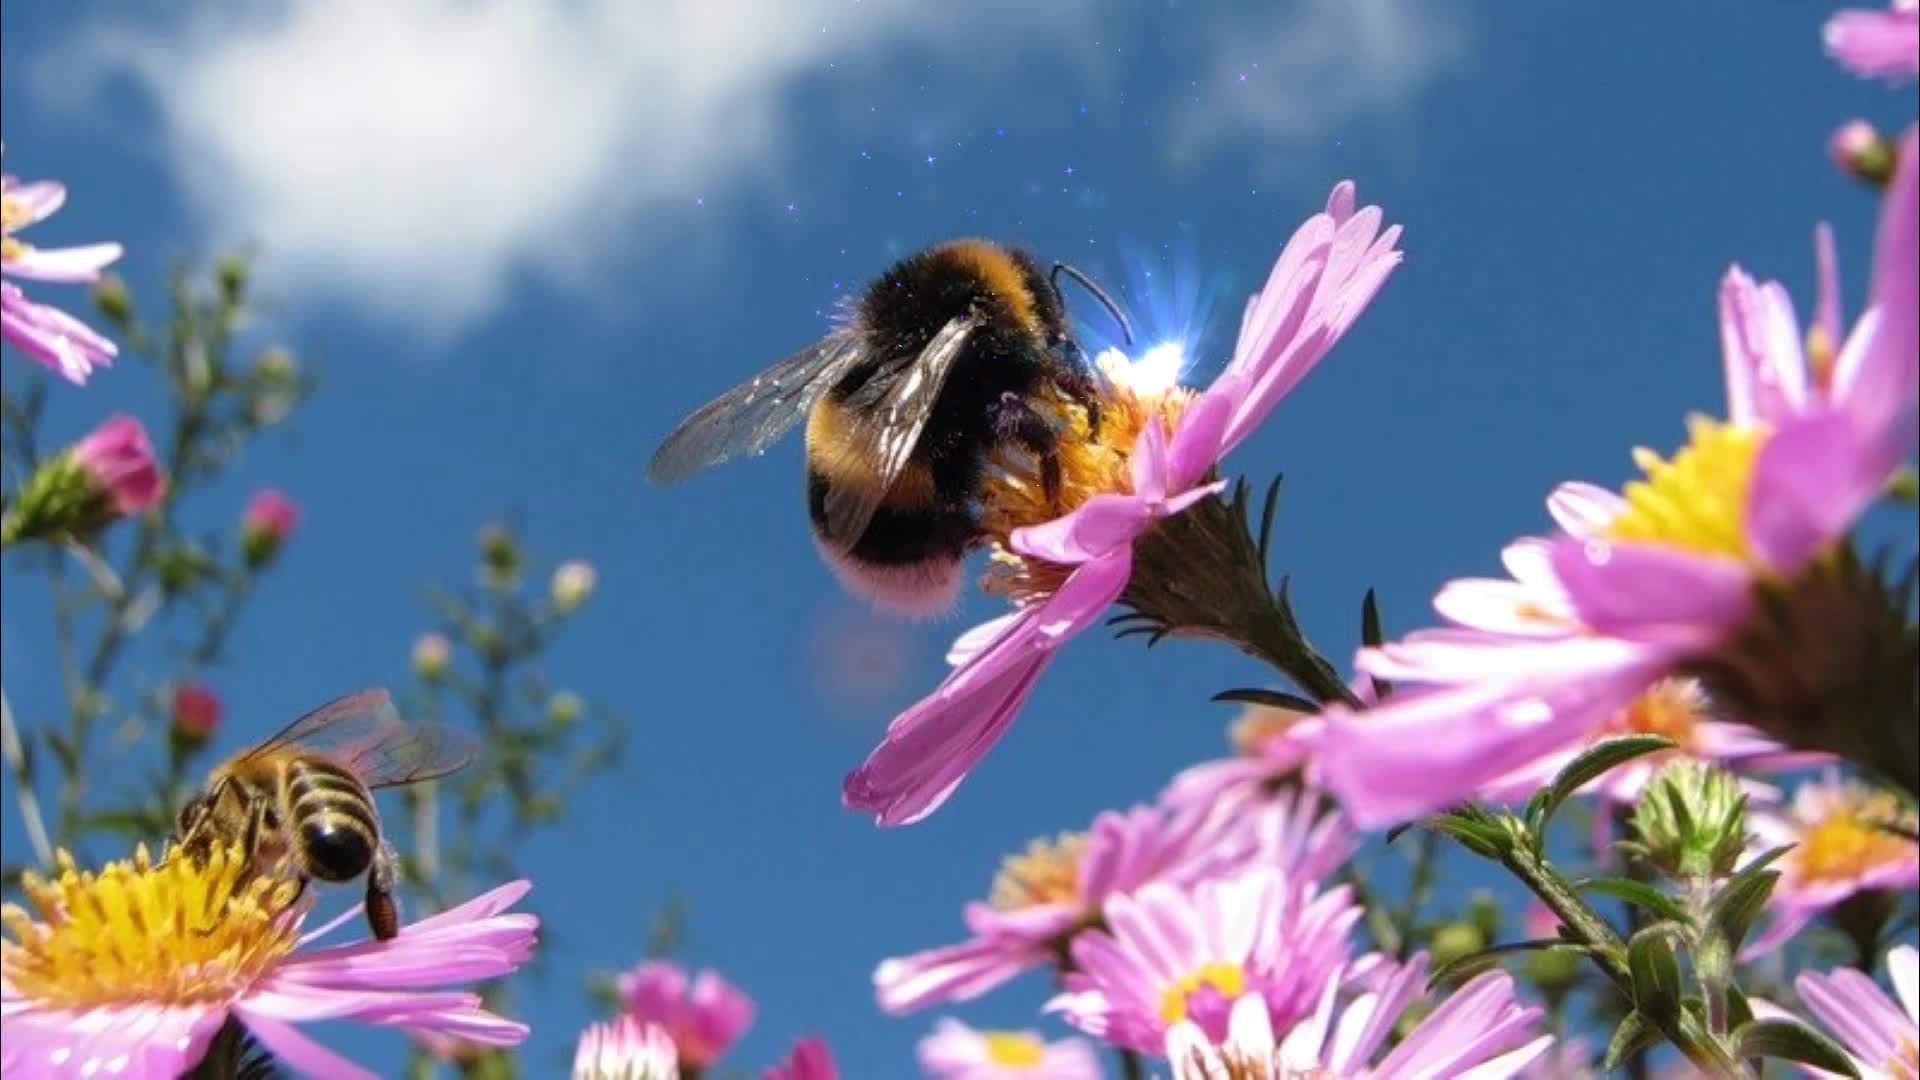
(340, 721)
(750, 417)
(886, 432)
(409, 753)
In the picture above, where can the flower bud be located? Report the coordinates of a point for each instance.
(196, 715)
(499, 555)
(269, 519)
(1455, 941)
(276, 377)
(107, 475)
(431, 655)
(179, 568)
(111, 296)
(1863, 153)
(564, 708)
(231, 273)
(572, 583)
(1691, 821)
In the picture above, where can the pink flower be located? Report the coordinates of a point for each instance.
(1324, 278)
(1046, 896)
(90, 987)
(625, 1048)
(703, 1022)
(118, 459)
(1880, 1034)
(1638, 587)
(1169, 954)
(196, 712)
(1481, 1030)
(1839, 850)
(1877, 42)
(269, 519)
(46, 333)
(810, 1060)
(955, 1051)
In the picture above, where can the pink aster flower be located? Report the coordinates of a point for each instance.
(1880, 1034)
(117, 458)
(1481, 1031)
(955, 1051)
(130, 971)
(810, 1060)
(47, 334)
(625, 1048)
(1323, 279)
(1869, 42)
(1667, 579)
(703, 1019)
(1169, 954)
(1839, 850)
(1045, 896)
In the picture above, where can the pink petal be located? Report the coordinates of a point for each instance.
(1094, 529)
(1811, 480)
(1148, 465)
(1826, 309)
(1582, 509)
(1875, 43)
(1340, 201)
(1761, 349)
(1882, 388)
(39, 199)
(1197, 444)
(68, 265)
(953, 973)
(1651, 592)
(970, 643)
(287, 1043)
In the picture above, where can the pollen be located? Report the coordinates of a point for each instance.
(1226, 980)
(1848, 842)
(1670, 708)
(179, 932)
(1697, 501)
(1015, 1049)
(1047, 873)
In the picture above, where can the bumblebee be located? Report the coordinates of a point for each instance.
(933, 368)
(303, 799)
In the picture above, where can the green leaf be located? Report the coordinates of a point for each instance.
(1792, 1041)
(1743, 897)
(1479, 833)
(1370, 620)
(1632, 1036)
(1739, 1011)
(1656, 971)
(1484, 956)
(1272, 699)
(1597, 759)
(1638, 893)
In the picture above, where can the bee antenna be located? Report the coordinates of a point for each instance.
(1100, 294)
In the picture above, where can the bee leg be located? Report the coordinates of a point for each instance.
(1017, 422)
(1081, 382)
(383, 914)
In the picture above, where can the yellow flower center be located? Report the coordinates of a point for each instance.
(1849, 842)
(1228, 980)
(1671, 708)
(11, 249)
(1048, 873)
(1014, 1048)
(184, 931)
(1260, 724)
(1698, 500)
(13, 213)
(1014, 496)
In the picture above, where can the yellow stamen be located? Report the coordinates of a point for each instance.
(1016, 1049)
(1672, 708)
(1259, 724)
(11, 249)
(183, 931)
(1820, 356)
(1847, 842)
(1698, 500)
(13, 213)
(1905, 1063)
(1226, 979)
(1049, 873)
(1014, 495)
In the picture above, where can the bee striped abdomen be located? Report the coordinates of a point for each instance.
(333, 818)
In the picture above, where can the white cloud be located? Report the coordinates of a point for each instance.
(422, 158)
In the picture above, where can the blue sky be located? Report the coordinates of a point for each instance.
(517, 247)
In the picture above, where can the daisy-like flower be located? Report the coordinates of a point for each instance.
(1045, 896)
(626, 1048)
(46, 333)
(955, 1051)
(131, 970)
(704, 1016)
(1880, 1034)
(1480, 1031)
(1727, 563)
(1151, 458)
(1169, 955)
(810, 1060)
(1839, 849)
(1869, 42)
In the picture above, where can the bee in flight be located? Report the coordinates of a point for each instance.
(934, 368)
(304, 798)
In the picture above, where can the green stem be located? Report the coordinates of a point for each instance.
(1132, 1067)
(16, 755)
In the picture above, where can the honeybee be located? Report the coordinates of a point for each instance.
(932, 368)
(304, 798)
